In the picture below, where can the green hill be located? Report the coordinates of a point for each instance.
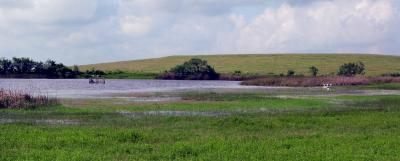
(263, 64)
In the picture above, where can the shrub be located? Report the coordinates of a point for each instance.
(194, 69)
(314, 71)
(290, 73)
(237, 72)
(351, 69)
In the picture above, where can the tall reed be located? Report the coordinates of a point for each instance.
(22, 100)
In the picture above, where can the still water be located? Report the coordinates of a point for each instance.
(80, 88)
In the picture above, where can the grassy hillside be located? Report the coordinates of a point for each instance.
(263, 64)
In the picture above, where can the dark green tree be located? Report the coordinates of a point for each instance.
(196, 69)
(5, 66)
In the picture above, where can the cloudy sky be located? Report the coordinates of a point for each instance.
(91, 31)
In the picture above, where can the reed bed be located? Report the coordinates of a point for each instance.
(319, 81)
(14, 99)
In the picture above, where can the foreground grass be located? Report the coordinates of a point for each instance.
(262, 64)
(368, 129)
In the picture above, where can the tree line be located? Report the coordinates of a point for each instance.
(28, 67)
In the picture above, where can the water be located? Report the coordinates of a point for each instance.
(80, 88)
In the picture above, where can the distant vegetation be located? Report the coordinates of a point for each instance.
(27, 68)
(314, 71)
(352, 69)
(319, 81)
(194, 69)
(290, 73)
(346, 76)
(395, 74)
(200, 69)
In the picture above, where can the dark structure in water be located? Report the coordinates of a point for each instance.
(97, 80)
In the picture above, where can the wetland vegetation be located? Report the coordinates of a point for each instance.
(254, 126)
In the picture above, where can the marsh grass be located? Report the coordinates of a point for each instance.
(15, 99)
(319, 81)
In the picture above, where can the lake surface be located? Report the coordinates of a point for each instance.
(80, 88)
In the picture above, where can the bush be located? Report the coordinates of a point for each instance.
(194, 69)
(290, 73)
(237, 72)
(351, 69)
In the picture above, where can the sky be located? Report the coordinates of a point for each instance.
(93, 31)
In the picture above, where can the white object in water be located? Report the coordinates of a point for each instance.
(327, 86)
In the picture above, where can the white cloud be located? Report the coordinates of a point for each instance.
(327, 25)
(51, 11)
(136, 26)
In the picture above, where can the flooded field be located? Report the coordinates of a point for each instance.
(80, 88)
(126, 91)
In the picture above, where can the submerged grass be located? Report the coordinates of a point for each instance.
(385, 86)
(369, 130)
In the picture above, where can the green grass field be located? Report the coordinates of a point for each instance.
(262, 64)
(315, 128)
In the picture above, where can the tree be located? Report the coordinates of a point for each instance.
(351, 69)
(290, 73)
(196, 69)
(314, 71)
